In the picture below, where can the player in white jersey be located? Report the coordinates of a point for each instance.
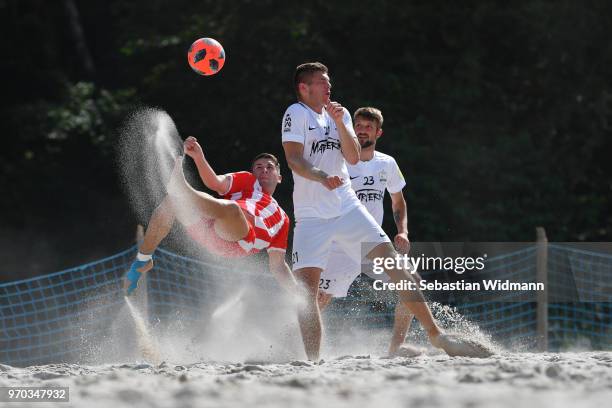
(375, 173)
(318, 140)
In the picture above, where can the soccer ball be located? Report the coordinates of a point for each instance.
(206, 56)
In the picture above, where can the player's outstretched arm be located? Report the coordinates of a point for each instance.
(294, 154)
(218, 183)
(281, 271)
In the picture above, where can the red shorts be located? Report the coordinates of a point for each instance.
(203, 232)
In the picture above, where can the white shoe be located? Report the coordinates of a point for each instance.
(454, 345)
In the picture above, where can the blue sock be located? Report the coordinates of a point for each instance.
(133, 275)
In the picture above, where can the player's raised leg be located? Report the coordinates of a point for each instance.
(191, 206)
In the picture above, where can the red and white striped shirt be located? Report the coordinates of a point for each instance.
(270, 223)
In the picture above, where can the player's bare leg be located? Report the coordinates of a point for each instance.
(309, 315)
(158, 228)
(190, 206)
(401, 324)
(415, 302)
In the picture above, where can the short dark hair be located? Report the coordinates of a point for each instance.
(369, 113)
(266, 156)
(304, 72)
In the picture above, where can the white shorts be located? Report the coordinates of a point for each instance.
(356, 233)
(341, 271)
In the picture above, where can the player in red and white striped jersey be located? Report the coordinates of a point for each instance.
(268, 223)
(244, 221)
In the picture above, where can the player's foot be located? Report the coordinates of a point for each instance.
(136, 270)
(406, 350)
(177, 181)
(454, 345)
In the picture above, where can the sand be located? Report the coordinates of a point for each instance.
(581, 379)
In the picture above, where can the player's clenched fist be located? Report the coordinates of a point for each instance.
(332, 182)
(192, 148)
(402, 243)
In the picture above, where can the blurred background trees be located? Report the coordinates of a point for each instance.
(500, 115)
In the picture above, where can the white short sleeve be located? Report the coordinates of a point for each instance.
(348, 122)
(294, 124)
(396, 179)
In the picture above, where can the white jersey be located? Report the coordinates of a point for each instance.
(319, 135)
(371, 178)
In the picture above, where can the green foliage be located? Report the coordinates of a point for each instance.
(61, 145)
(88, 113)
(498, 114)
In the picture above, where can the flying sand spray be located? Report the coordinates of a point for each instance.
(234, 327)
(148, 146)
(147, 347)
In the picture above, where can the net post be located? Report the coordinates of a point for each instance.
(143, 293)
(542, 296)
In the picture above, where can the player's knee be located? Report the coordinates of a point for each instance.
(389, 250)
(163, 213)
(310, 291)
(309, 277)
(384, 250)
(231, 209)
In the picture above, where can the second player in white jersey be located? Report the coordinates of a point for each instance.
(370, 180)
